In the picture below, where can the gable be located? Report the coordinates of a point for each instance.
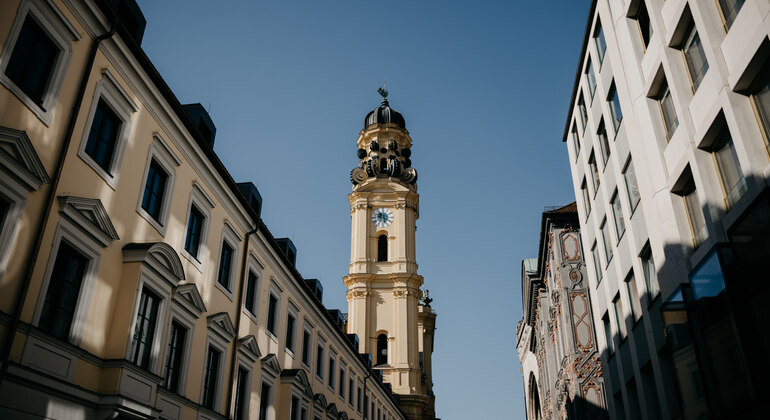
(89, 214)
(221, 326)
(249, 348)
(19, 159)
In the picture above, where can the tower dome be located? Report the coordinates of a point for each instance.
(384, 114)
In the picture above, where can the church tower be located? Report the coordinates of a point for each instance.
(386, 307)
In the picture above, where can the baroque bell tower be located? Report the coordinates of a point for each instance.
(386, 307)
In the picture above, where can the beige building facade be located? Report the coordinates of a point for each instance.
(668, 135)
(137, 279)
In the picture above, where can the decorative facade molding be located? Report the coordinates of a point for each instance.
(221, 325)
(90, 215)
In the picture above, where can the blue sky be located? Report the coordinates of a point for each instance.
(484, 87)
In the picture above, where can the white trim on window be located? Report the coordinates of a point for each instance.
(253, 266)
(109, 91)
(213, 341)
(160, 287)
(183, 318)
(162, 154)
(204, 204)
(275, 291)
(233, 239)
(61, 33)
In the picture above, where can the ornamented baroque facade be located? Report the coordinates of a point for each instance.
(137, 279)
(556, 339)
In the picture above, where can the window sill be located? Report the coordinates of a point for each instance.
(110, 180)
(224, 290)
(250, 315)
(44, 116)
(271, 335)
(151, 220)
(198, 265)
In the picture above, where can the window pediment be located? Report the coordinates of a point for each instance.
(331, 411)
(298, 378)
(319, 402)
(190, 299)
(249, 348)
(90, 215)
(221, 325)
(19, 159)
(270, 365)
(159, 256)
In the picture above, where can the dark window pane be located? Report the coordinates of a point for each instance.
(240, 394)
(103, 135)
(174, 357)
(264, 401)
(63, 290)
(382, 248)
(5, 206)
(154, 189)
(382, 349)
(271, 309)
(225, 261)
(144, 331)
(319, 361)
(251, 290)
(210, 378)
(32, 60)
(306, 347)
(290, 321)
(194, 228)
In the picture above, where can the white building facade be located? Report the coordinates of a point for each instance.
(668, 137)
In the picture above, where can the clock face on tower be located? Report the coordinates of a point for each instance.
(382, 217)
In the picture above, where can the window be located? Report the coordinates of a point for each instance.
(319, 360)
(358, 398)
(211, 377)
(63, 290)
(332, 370)
(597, 264)
(342, 382)
(615, 111)
(351, 381)
(264, 400)
(225, 265)
(175, 356)
(241, 394)
(607, 332)
(604, 144)
(760, 98)
(382, 248)
(32, 60)
(632, 188)
(194, 231)
(153, 190)
(617, 305)
(291, 321)
(272, 309)
(586, 198)
(103, 136)
(306, 343)
(294, 408)
(594, 171)
(601, 44)
(650, 273)
(382, 349)
(730, 9)
(251, 293)
(617, 213)
(643, 22)
(694, 212)
(575, 140)
(144, 329)
(633, 297)
(666, 103)
(695, 57)
(606, 241)
(583, 112)
(591, 78)
(729, 168)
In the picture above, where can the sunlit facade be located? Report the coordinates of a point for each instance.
(668, 135)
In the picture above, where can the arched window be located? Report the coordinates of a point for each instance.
(382, 248)
(382, 349)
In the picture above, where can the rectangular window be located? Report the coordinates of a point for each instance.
(144, 330)
(264, 400)
(730, 9)
(591, 78)
(175, 356)
(63, 290)
(666, 103)
(633, 296)
(597, 264)
(291, 321)
(294, 408)
(241, 396)
(601, 44)
(606, 241)
(694, 213)
(760, 98)
(632, 188)
(604, 144)
(350, 391)
(272, 308)
(586, 198)
(695, 57)
(729, 169)
(575, 140)
(608, 332)
(225, 265)
(645, 25)
(358, 398)
(617, 213)
(319, 360)
(211, 375)
(194, 231)
(650, 273)
(615, 111)
(306, 342)
(332, 370)
(32, 61)
(342, 383)
(617, 305)
(152, 200)
(103, 135)
(583, 112)
(594, 172)
(251, 293)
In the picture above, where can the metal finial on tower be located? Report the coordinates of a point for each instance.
(383, 93)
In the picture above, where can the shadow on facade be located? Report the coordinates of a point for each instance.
(580, 408)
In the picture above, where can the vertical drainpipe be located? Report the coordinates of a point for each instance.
(22, 294)
(234, 362)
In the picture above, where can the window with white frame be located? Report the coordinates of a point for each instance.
(632, 188)
(307, 344)
(36, 55)
(266, 401)
(615, 111)
(176, 352)
(586, 197)
(650, 273)
(107, 129)
(729, 10)
(590, 78)
(582, 112)
(604, 144)
(575, 140)
(291, 327)
(332, 368)
(642, 18)
(606, 241)
(319, 358)
(158, 184)
(728, 167)
(760, 99)
(694, 56)
(617, 214)
(633, 297)
(607, 332)
(273, 302)
(145, 328)
(242, 393)
(599, 42)
(227, 265)
(620, 320)
(197, 226)
(212, 372)
(342, 380)
(597, 264)
(594, 171)
(696, 220)
(667, 110)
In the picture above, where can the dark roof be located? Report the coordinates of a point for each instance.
(384, 114)
(569, 208)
